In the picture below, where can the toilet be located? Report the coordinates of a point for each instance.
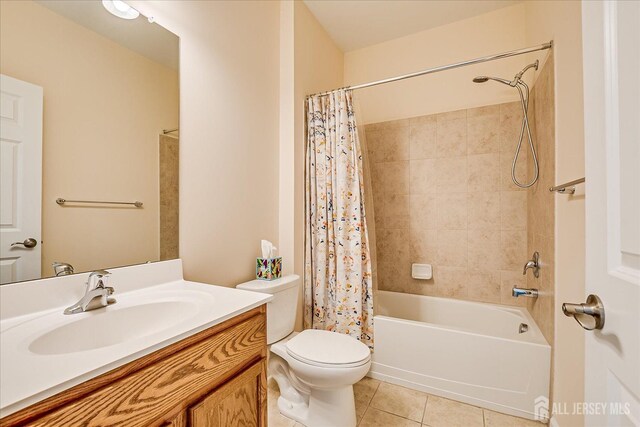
(315, 369)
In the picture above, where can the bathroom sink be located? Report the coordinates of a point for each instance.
(112, 325)
(44, 352)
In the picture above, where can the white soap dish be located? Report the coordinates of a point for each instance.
(421, 271)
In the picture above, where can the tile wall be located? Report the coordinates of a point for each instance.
(443, 195)
(541, 202)
(169, 196)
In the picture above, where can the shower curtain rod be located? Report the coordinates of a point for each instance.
(543, 46)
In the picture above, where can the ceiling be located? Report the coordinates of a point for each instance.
(150, 40)
(354, 24)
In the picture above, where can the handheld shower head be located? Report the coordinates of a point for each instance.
(513, 83)
(523, 91)
(482, 79)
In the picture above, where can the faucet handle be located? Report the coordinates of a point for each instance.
(99, 273)
(534, 264)
(97, 278)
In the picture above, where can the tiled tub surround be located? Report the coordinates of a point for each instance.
(541, 202)
(443, 195)
(169, 154)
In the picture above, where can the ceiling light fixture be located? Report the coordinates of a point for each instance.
(120, 9)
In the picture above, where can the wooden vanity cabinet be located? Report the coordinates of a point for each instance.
(214, 378)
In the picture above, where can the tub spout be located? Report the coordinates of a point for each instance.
(524, 292)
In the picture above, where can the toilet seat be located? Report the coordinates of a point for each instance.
(327, 349)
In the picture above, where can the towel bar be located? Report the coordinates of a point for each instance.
(568, 187)
(62, 201)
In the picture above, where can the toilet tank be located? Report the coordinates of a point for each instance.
(281, 311)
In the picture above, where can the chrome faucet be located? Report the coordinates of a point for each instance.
(96, 294)
(62, 268)
(534, 264)
(524, 292)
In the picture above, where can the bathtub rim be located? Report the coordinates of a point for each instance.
(458, 330)
(539, 338)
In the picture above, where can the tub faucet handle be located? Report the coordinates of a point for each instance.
(534, 264)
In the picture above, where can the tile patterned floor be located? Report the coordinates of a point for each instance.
(380, 404)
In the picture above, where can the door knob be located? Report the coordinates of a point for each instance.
(590, 315)
(28, 243)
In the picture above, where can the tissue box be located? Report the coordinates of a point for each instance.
(268, 268)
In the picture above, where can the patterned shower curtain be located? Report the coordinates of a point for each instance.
(338, 291)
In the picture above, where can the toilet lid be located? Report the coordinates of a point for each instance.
(319, 347)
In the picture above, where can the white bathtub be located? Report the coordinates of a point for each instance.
(467, 351)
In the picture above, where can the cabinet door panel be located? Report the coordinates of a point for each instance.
(240, 402)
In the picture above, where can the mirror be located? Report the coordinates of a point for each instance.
(89, 114)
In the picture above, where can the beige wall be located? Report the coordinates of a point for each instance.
(287, 149)
(494, 32)
(229, 98)
(104, 107)
(443, 196)
(562, 22)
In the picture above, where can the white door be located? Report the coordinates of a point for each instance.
(611, 49)
(20, 179)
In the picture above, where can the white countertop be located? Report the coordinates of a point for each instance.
(34, 365)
